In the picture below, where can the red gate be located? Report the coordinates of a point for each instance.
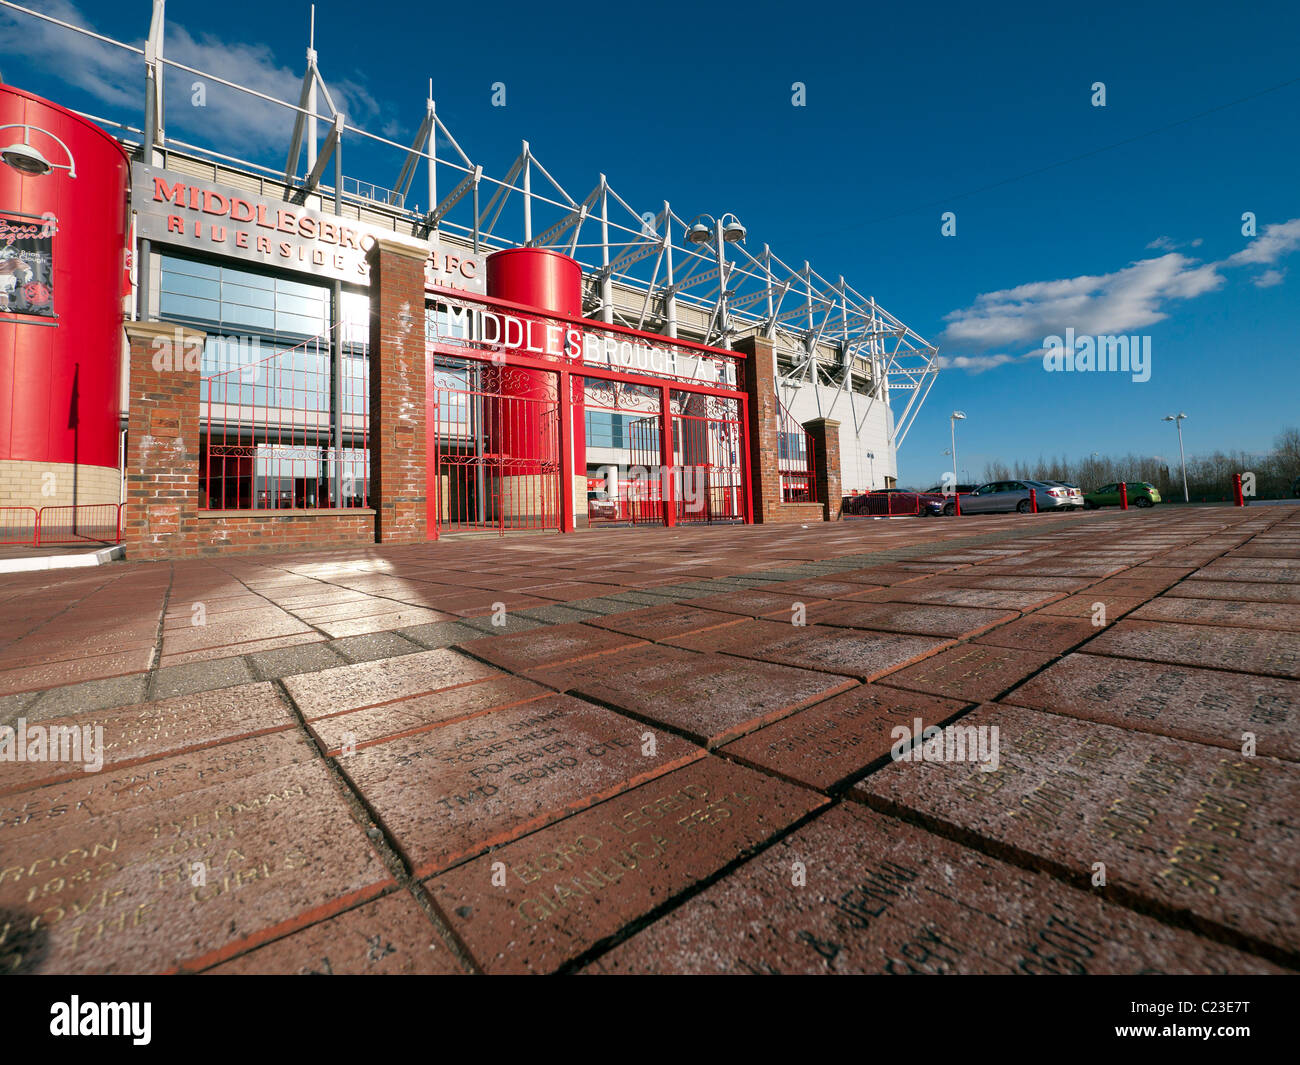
(530, 411)
(483, 480)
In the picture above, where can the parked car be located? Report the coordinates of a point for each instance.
(887, 502)
(1295, 488)
(600, 506)
(940, 500)
(1001, 496)
(1140, 494)
(1076, 495)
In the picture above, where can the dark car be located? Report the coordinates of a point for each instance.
(601, 507)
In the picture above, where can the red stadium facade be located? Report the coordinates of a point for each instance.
(283, 372)
(64, 238)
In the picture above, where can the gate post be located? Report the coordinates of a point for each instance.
(825, 434)
(667, 488)
(398, 399)
(568, 459)
(162, 457)
(763, 428)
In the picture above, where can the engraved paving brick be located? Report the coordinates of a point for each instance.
(972, 672)
(856, 653)
(583, 879)
(386, 680)
(880, 896)
(828, 744)
(1043, 632)
(490, 779)
(657, 622)
(161, 780)
(1262, 593)
(708, 698)
(754, 602)
(1247, 650)
(137, 733)
(188, 884)
(915, 618)
(359, 728)
(388, 937)
(548, 646)
(1251, 615)
(1004, 598)
(1204, 705)
(1182, 827)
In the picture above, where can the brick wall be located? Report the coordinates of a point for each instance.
(825, 435)
(764, 438)
(223, 532)
(162, 459)
(397, 392)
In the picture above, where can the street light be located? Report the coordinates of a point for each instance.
(956, 417)
(725, 230)
(871, 456)
(1177, 419)
(28, 160)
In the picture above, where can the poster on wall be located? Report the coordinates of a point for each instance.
(27, 263)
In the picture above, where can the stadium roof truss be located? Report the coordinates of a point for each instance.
(640, 268)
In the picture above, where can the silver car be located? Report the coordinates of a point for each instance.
(999, 496)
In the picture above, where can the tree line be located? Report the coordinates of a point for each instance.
(1209, 477)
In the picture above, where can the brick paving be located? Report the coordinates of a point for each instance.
(1062, 743)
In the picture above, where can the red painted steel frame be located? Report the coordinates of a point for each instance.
(565, 370)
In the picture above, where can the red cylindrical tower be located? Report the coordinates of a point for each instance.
(549, 282)
(64, 186)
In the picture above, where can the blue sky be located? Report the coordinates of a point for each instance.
(913, 109)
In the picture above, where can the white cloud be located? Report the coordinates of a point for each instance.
(1277, 240)
(974, 363)
(1119, 302)
(1124, 301)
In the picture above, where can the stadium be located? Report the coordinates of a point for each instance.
(583, 361)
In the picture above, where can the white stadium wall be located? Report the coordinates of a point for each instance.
(865, 426)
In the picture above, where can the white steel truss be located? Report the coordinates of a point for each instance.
(639, 267)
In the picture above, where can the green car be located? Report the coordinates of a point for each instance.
(1140, 494)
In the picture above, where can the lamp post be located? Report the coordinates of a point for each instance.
(953, 420)
(871, 457)
(1177, 419)
(719, 232)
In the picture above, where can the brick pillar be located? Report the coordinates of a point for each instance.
(162, 455)
(764, 426)
(397, 396)
(825, 435)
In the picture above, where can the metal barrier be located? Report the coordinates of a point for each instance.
(84, 523)
(18, 525)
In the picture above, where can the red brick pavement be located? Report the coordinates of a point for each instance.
(1001, 744)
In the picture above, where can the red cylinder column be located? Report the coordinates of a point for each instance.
(524, 428)
(63, 243)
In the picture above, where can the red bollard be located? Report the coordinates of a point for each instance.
(1236, 490)
(1033, 501)
(1123, 496)
(956, 500)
